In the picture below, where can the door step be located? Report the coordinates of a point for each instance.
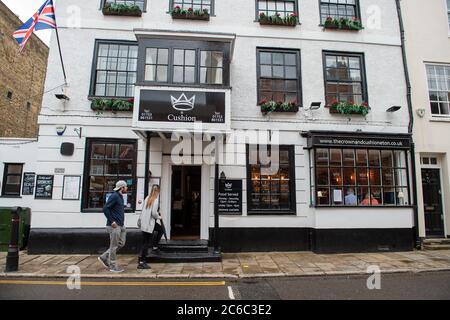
(179, 257)
(184, 246)
(436, 244)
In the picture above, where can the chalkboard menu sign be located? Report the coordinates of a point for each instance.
(28, 183)
(44, 187)
(229, 199)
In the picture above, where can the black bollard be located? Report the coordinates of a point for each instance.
(12, 260)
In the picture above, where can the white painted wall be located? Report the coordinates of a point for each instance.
(386, 87)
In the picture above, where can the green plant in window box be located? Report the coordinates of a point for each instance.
(343, 23)
(104, 104)
(116, 9)
(280, 106)
(349, 107)
(276, 19)
(190, 13)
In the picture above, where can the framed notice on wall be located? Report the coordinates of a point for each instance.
(44, 187)
(28, 183)
(229, 198)
(71, 188)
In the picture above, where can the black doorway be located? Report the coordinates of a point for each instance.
(186, 202)
(432, 199)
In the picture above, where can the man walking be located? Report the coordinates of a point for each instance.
(115, 215)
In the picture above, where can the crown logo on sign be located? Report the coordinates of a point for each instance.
(183, 103)
(228, 185)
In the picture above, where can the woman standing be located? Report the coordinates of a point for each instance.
(150, 215)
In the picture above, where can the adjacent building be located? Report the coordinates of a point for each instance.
(428, 55)
(269, 125)
(22, 78)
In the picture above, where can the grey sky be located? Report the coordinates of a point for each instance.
(25, 9)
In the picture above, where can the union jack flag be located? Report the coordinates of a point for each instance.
(43, 19)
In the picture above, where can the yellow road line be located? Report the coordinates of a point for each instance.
(116, 283)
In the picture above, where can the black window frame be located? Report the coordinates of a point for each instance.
(173, 44)
(361, 56)
(93, 82)
(406, 185)
(212, 6)
(259, 50)
(292, 211)
(144, 9)
(86, 172)
(357, 10)
(296, 7)
(5, 179)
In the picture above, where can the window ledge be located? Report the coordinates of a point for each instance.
(440, 119)
(12, 197)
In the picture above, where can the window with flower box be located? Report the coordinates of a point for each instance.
(344, 80)
(346, 9)
(124, 7)
(106, 162)
(191, 9)
(279, 78)
(280, 12)
(340, 14)
(359, 177)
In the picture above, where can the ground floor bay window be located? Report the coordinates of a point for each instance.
(372, 173)
(106, 162)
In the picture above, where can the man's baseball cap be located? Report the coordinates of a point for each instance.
(120, 184)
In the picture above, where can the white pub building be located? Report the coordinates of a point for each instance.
(270, 125)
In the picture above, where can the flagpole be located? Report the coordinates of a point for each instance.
(59, 46)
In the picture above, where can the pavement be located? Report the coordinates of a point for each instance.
(235, 265)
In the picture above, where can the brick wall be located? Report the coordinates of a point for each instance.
(21, 75)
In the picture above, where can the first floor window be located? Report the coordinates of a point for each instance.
(359, 177)
(284, 8)
(344, 78)
(114, 73)
(279, 75)
(439, 88)
(108, 161)
(12, 179)
(347, 9)
(139, 3)
(271, 181)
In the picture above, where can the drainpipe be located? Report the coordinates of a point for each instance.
(147, 165)
(418, 241)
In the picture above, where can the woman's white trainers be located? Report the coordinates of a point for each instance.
(116, 270)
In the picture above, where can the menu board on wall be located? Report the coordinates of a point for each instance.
(71, 188)
(28, 183)
(44, 187)
(229, 199)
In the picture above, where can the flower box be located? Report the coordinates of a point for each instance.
(276, 19)
(111, 104)
(113, 9)
(349, 108)
(190, 14)
(343, 24)
(272, 106)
